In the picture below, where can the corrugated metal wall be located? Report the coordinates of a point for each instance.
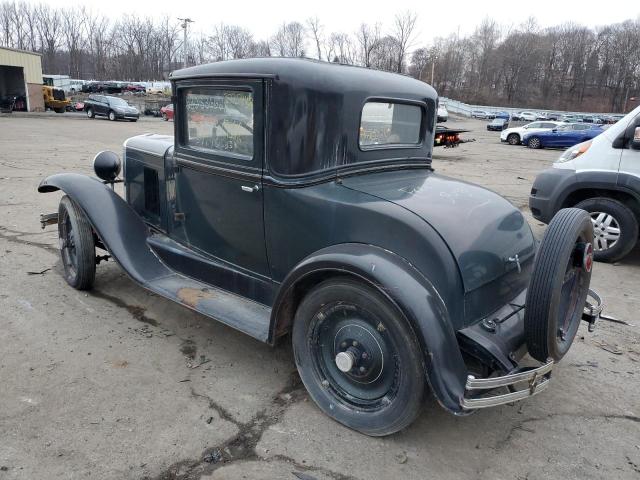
(32, 63)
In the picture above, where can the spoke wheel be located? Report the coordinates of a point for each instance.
(513, 139)
(358, 358)
(77, 246)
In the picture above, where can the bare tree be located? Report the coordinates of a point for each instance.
(341, 48)
(368, 38)
(289, 40)
(73, 34)
(49, 30)
(403, 34)
(315, 32)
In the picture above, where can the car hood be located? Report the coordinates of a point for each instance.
(483, 231)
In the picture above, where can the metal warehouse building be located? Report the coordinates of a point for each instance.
(21, 75)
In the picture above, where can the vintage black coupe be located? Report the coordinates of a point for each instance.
(298, 197)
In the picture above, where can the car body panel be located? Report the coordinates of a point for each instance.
(566, 136)
(487, 229)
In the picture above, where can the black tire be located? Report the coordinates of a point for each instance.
(616, 216)
(77, 247)
(164, 117)
(559, 285)
(534, 142)
(59, 110)
(111, 115)
(513, 139)
(382, 395)
(90, 113)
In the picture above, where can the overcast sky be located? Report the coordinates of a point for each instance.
(264, 16)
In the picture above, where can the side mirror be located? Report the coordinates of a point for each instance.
(107, 166)
(635, 142)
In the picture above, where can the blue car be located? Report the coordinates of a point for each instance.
(563, 136)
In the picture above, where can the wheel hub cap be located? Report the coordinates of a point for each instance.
(345, 361)
(606, 230)
(354, 354)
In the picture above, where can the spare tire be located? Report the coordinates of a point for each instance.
(559, 285)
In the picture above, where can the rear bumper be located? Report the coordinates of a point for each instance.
(523, 382)
(534, 381)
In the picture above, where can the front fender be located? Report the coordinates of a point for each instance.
(412, 293)
(121, 230)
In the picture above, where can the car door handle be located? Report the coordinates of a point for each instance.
(246, 188)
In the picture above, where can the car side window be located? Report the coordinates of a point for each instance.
(548, 125)
(534, 125)
(219, 121)
(389, 124)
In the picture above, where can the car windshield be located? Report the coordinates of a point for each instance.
(117, 102)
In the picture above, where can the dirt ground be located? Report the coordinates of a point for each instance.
(120, 384)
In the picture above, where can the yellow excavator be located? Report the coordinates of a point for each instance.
(54, 98)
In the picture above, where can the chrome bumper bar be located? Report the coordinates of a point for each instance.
(536, 378)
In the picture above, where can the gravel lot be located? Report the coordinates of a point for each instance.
(102, 385)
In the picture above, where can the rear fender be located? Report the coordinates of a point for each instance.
(121, 230)
(413, 295)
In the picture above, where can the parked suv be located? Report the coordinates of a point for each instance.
(113, 108)
(601, 176)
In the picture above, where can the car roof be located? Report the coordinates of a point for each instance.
(308, 71)
(315, 108)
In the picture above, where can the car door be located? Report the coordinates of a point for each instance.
(101, 105)
(216, 206)
(555, 138)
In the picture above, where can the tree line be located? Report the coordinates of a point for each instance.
(568, 67)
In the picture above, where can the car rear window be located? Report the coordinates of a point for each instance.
(220, 121)
(389, 124)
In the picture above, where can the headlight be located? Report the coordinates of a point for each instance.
(574, 152)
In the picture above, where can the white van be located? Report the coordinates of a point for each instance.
(601, 176)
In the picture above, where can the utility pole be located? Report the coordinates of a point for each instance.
(433, 68)
(185, 50)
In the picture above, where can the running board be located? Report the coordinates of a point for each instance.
(245, 315)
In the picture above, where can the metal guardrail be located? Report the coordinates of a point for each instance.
(465, 109)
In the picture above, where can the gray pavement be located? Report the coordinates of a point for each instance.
(118, 383)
